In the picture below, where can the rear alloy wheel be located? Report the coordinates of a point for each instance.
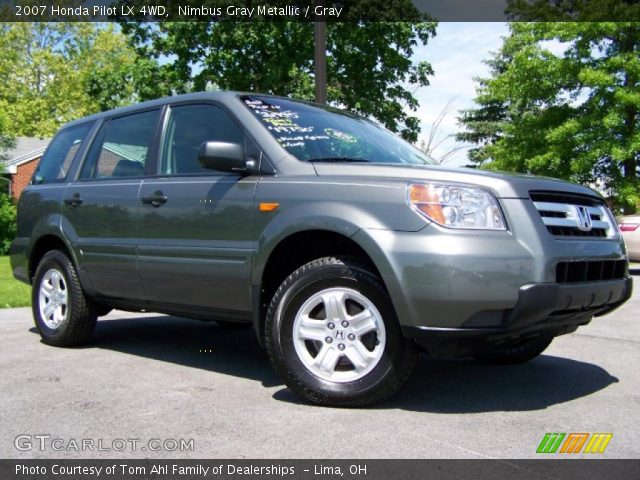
(63, 315)
(515, 353)
(53, 299)
(333, 335)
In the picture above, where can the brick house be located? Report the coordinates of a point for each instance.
(22, 162)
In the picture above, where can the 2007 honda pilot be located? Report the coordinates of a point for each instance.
(343, 246)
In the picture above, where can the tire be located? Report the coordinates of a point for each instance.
(515, 353)
(73, 316)
(318, 362)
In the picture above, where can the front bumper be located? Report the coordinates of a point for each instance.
(542, 309)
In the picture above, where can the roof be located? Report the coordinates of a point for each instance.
(218, 95)
(25, 150)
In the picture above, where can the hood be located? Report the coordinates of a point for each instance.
(503, 185)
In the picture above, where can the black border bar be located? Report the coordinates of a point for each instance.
(127, 469)
(320, 10)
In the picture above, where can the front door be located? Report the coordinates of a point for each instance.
(196, 224)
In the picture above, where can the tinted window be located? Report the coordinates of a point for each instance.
(122, 147)
(189, 126)
(314, 133)
(57, 160)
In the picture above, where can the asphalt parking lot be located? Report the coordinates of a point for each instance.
(155, 377)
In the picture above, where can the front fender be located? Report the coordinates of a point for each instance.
(326, 216)
(333, 205)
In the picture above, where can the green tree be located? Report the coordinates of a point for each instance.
(573, 10)
(485, 123)
(573, 115)
(6, 140)
(59, 71)
(368, 63)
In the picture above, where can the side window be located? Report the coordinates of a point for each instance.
(188, 127)
(56, 162)
(121, 147)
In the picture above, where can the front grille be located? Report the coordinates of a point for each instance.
(571, 215)
(592, 271)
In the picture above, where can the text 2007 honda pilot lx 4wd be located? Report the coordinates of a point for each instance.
(345, 247)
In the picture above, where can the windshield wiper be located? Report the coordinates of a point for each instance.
(339, 159)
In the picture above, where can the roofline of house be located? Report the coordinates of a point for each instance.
(27, 157)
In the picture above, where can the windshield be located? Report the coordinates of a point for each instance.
(319, 134)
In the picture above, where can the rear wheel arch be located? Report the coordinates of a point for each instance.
(44, 244)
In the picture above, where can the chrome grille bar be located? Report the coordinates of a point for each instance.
(569, 219)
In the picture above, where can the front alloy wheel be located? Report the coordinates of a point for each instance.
(332, 334)
(339, 335)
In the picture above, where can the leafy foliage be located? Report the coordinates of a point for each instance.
(573, 10)
(59, 71)
(7, 141)
(572, 114)
(7, 222)
(368, 63)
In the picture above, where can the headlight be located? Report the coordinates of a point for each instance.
(456, 206)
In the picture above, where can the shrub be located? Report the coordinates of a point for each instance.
(7, 222)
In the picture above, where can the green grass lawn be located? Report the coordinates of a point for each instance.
(12, 292)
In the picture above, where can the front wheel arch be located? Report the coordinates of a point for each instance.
(294, 251)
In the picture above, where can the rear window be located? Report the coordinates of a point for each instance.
(121, 147)
(58, 158)
(321, 134)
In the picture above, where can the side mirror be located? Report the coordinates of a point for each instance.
(223, 156)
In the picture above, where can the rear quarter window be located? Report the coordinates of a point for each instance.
(59, 156)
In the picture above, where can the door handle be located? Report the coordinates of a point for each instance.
(157, 199)
(74, 201)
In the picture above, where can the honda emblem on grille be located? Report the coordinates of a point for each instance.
(583, 218)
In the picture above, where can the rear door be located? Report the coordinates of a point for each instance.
(101, 208)
(40, 204)
(196, 224)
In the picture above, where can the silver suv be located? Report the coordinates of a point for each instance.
(344, 247)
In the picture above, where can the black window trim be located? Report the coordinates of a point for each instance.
(80, 158)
